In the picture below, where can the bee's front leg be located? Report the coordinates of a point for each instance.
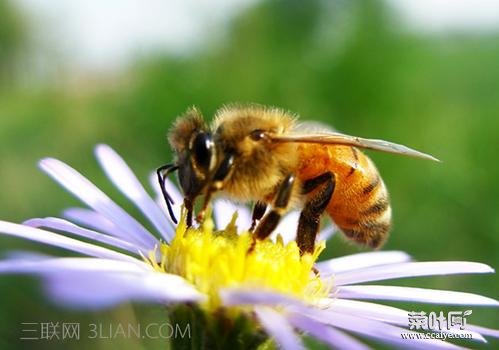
(189, 207)
(258, 210)
(269, 222)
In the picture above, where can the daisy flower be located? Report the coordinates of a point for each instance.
(269, 296)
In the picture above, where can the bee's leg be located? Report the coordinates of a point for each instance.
(217, 182)
(258, 210)
(206, 202)
(189, 208)
(308, 224)
(271, 219)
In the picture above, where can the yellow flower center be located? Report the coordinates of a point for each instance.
(212, 260)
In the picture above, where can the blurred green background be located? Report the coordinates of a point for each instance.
(355, 65)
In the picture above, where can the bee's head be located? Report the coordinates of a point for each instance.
(200, 159)
(195, 153)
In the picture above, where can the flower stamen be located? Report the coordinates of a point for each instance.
(213, 260)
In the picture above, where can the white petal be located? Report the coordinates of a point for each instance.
(483, 330)
(82, 188)
(69, 227)
(57, 240)
(412, 294)
(329, 335)
(25, 255)
(361, 260)
(224, 209)
(374, 329)
(327, 232)
(246, 296)
(374, 311)
(278, 328)
(99, 283)
(97, 291)
(126, 181)
(411, 269)
(287, 227)
(93, 220)
(48, 264)
(385, 314)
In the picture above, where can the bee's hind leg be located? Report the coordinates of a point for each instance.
(269, 222)
(308, 224)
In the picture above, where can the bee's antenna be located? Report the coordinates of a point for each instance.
(162, 173)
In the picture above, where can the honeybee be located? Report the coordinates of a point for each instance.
(265, 156)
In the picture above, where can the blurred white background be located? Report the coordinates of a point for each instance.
(96, 35)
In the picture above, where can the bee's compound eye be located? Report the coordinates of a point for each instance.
(257, 135)
(202, 149)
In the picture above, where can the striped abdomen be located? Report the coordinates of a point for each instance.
(360, 204)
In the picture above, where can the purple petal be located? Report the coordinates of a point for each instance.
(25, 255)
(327, 232)
(278, 328)
(412, 294)
(224, 209)
(378, 312)
(411, 269)
(105, 290)
(66, 226)
(174, 194)
(46, 265)
(360, 261)
(483, 330)
(374, 329)
(329, 335)
(82, 188)
(126, 181)
(385, 314)
(100, 283)
(240, 296)
(93, 220)
(58, 240)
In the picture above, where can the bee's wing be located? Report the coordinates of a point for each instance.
(341, 139)
(312, 127)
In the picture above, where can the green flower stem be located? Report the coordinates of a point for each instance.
(216, 330)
